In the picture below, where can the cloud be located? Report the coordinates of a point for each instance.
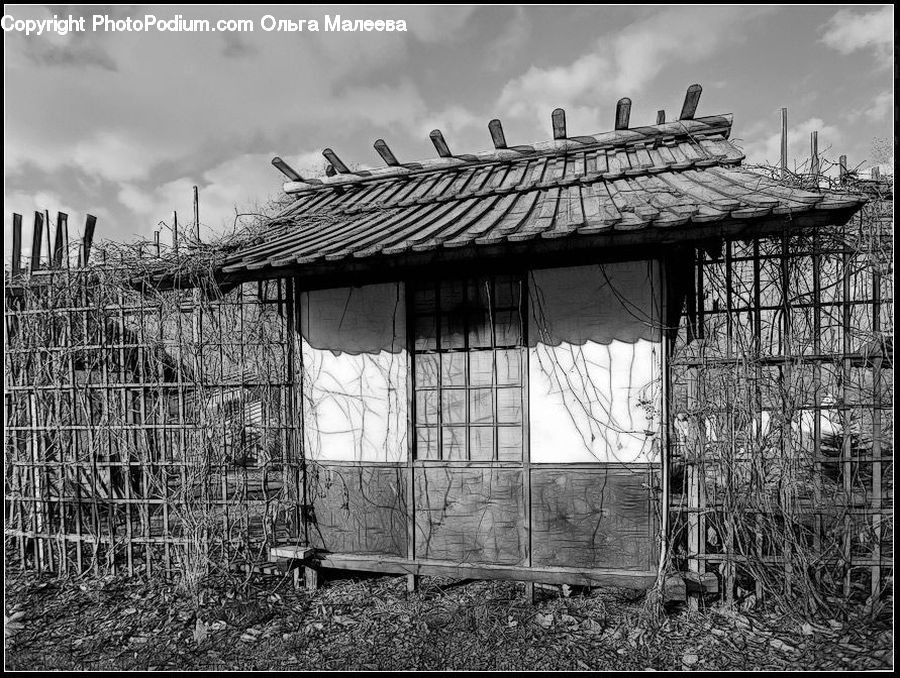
(880, 108)
(849, 31)
(626, 63)
(504, 49)
(240, 185)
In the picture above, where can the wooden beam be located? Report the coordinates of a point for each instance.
(197, 214)
(36, 243)
(440, 145)
(623, 113)
(385, 152)
(587, 577)
(691, 99)
(156, 242)
(843, 169)
(90, 223)
(336, 162)
(814, 155)
(49, 239)
(784, 143)
(496, 129)
(660, 117)
(58, 245)
(558, 119)
(290, 552)
(175, 231)
(17, 244)
(286, 169)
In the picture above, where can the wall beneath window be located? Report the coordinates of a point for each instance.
(594, 363)
(355, 366)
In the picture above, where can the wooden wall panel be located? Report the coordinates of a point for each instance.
(358, 509)
(470, 514)
(592, 518)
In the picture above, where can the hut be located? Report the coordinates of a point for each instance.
(578, 361)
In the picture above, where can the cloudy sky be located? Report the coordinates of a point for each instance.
(124, 124)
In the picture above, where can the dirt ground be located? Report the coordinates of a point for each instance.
(370, 624)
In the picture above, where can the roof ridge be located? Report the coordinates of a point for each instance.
(646, 136)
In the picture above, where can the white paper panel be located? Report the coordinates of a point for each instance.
(355, 365)
(594, 363)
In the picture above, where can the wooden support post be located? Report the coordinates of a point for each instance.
(784, 143)
(694, 480)
(386, 153)
(558, 118)
(335, 161)
(197, 215)
(175, 232)
(691, 100)
(660, 117)
(36, 237)
(842, 171)
(814, 156)
(623, 113)
(440, 145)
(17, 244)
(90, 223)
(286, 170)
(295, 577)
(311, 577)
(58, 245)
(496, 129)
(412, 583)
(530, 590)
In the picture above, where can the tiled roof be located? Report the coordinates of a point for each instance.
(666, 176)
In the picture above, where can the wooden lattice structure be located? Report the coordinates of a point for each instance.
(782, 455)
(146, 429)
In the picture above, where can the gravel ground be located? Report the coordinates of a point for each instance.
(373, 624)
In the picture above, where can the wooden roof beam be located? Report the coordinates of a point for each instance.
(558, 120)
(691, 99)
(440, 144)
(336, 162)
(386, 154)
(495, 127)
(286, 169)
(623, 113)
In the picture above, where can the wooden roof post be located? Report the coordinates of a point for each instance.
(385, 152)
(691, 99)
(784, 143)
(660, 117)
(558, 119)
(286, 169)
(156, 242)
(623, 113)
(17, 244)
(36, 238)
(842, 169)
(175, 232)
(497, 136)
(440, 145)
(335, 161)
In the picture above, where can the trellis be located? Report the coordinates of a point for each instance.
(147, 429)
(782, 397)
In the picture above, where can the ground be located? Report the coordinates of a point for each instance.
(372, 623)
